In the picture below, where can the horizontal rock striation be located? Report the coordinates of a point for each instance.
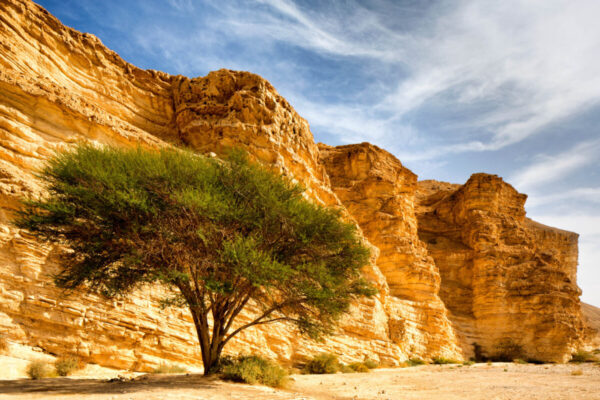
(59, 87)
(453, 264)
(508, 282)
(379, 193)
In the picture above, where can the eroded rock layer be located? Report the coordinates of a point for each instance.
(379, 193)
(59, 87)
(508, 282)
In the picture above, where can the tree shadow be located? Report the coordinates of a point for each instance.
(103, 386)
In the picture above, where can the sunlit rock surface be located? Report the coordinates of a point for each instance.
(453, 265)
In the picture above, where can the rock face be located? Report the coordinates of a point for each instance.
(591, 318)
(380, 193)
(508, 282)
(470, 269)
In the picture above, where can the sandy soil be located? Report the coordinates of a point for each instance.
(499, 381)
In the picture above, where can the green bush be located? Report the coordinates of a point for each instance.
(39, 370)
(371, 364)
(169, 369)
(582, 356)
(520, 361)
(346, 369)
(470, 362)
(324, 363)
(413, 362)
(443, 360)
(359, 367)
(255, 369)
(65, 366)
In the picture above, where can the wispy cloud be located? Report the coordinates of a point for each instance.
(584, 194)
(552, 168)
(181, 5)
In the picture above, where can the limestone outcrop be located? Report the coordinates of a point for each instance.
(508, 282)
(380, 193)
(454, 264)
(59, 87)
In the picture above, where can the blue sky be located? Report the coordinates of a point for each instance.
(450, 87)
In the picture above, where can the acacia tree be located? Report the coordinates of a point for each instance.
(220, 234)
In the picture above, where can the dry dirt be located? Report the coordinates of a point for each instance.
(480, 381)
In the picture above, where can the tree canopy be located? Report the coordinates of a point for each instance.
(220, 233)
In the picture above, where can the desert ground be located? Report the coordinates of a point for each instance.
(500, 381)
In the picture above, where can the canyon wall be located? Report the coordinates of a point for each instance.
(508, 282)
(454, 265)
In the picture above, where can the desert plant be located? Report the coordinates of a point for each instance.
(39, 369)
(345, 369)
(413, 362)
(220, 234)
(470, 362)
(582, 356)
(577, 372)
(65, 366)
(169, 369)
(323, 363)
(359, 367)
(520, 361)
(371, 364)
(254, 369)
(443, 360)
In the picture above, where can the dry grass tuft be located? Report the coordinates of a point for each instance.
(40, 369)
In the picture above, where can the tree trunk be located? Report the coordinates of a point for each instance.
(210, 348)
(211, 356)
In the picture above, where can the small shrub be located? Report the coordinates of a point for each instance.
(443, 360)
(169, 369)
(39, 370)
(371, 364)
(324, 363)
(359, 367)
(65, 366)
(3, 343)
(470, 362)
(520, 361)
(582, 356)
(346, 369)
(413, 362)
(254, 369)
(489, 362)
(577, 372)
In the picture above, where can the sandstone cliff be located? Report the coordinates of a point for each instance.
(58, 87)
(380, 193)
(508, 282)
(490, 265)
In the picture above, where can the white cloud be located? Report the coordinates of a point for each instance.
(552, 168)
(535, 62)
(530, 63)
(181, 5)
(586, 194)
